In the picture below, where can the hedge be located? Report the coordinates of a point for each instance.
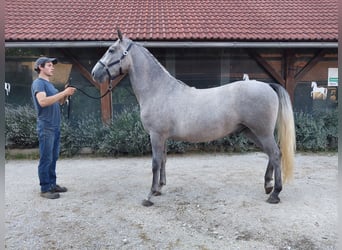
(126, 136)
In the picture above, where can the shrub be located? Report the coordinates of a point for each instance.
(177, 146)
(126, 135)
(330, 120)
(86, 132)
(20, 126)
(316, 132)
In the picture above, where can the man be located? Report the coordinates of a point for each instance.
(47, 99)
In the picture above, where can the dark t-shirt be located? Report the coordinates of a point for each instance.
(49, 116)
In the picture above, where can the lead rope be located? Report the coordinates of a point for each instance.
(110, 87)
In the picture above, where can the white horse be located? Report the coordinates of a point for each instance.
(172, 109)
(7, 88)
(318, 92)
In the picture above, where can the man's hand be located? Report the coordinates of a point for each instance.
(68, 91)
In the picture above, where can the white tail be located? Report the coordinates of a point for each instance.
(286, 132)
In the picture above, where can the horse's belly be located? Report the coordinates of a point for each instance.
(202, 132)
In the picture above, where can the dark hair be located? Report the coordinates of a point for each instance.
(38, 69)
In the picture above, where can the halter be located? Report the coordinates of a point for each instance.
(111, 78)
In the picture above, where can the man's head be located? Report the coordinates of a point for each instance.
(41, 61)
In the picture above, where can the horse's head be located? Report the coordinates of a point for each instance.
(114, 62)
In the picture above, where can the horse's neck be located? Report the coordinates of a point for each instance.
(147, 75)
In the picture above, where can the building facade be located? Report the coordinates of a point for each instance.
(293, 44)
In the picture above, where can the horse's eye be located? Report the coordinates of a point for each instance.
(111, 51)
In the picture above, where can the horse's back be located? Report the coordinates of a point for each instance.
(207, 114)
(243, 97)
(256, 93)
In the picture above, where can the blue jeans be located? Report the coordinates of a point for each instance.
(49, 153)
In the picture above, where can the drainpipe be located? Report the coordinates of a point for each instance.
(176, 44)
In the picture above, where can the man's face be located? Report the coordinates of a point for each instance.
(48, 69)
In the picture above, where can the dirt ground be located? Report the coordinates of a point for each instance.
(211, 201)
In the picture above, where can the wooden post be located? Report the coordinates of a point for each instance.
(266, 66)
(318, 56)
(289, 68)
(106, 104)
(291, 78)
(106, 101)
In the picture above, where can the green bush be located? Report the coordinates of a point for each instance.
(177, 146)
(20, 127)
(331, 125)
(314, 132)
(125, 135)
(310, 132)
(85, 132)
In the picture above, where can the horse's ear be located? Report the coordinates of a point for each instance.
(120, 35)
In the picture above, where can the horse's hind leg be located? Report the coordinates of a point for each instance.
(270, 147)
(268, 185)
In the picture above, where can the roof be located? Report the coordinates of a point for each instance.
(172, 20)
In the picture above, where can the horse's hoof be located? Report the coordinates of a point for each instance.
(273, 200)
(147, 203)
(268, 190)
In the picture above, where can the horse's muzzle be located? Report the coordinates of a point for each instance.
(99, 73)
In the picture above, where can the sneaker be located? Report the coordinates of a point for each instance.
(49, 195)
(59, 189)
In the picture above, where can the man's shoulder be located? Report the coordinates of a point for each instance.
(40, 82)
(38, 85)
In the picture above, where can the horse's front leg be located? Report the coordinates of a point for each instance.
(158, 167)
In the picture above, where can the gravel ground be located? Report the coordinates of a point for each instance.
(211, 201)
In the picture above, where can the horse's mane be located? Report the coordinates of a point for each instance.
(149, 54)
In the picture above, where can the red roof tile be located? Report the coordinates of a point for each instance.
(228, 20)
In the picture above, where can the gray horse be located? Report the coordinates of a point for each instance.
(171, 109)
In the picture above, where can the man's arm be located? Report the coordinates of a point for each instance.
(45, 101)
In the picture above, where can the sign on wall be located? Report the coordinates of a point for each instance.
(332, 76)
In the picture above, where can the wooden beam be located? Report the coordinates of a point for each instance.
(266, 66)
(106, 104)
(80, 67)
(316, 58)
(289, 70)
(106, 101)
